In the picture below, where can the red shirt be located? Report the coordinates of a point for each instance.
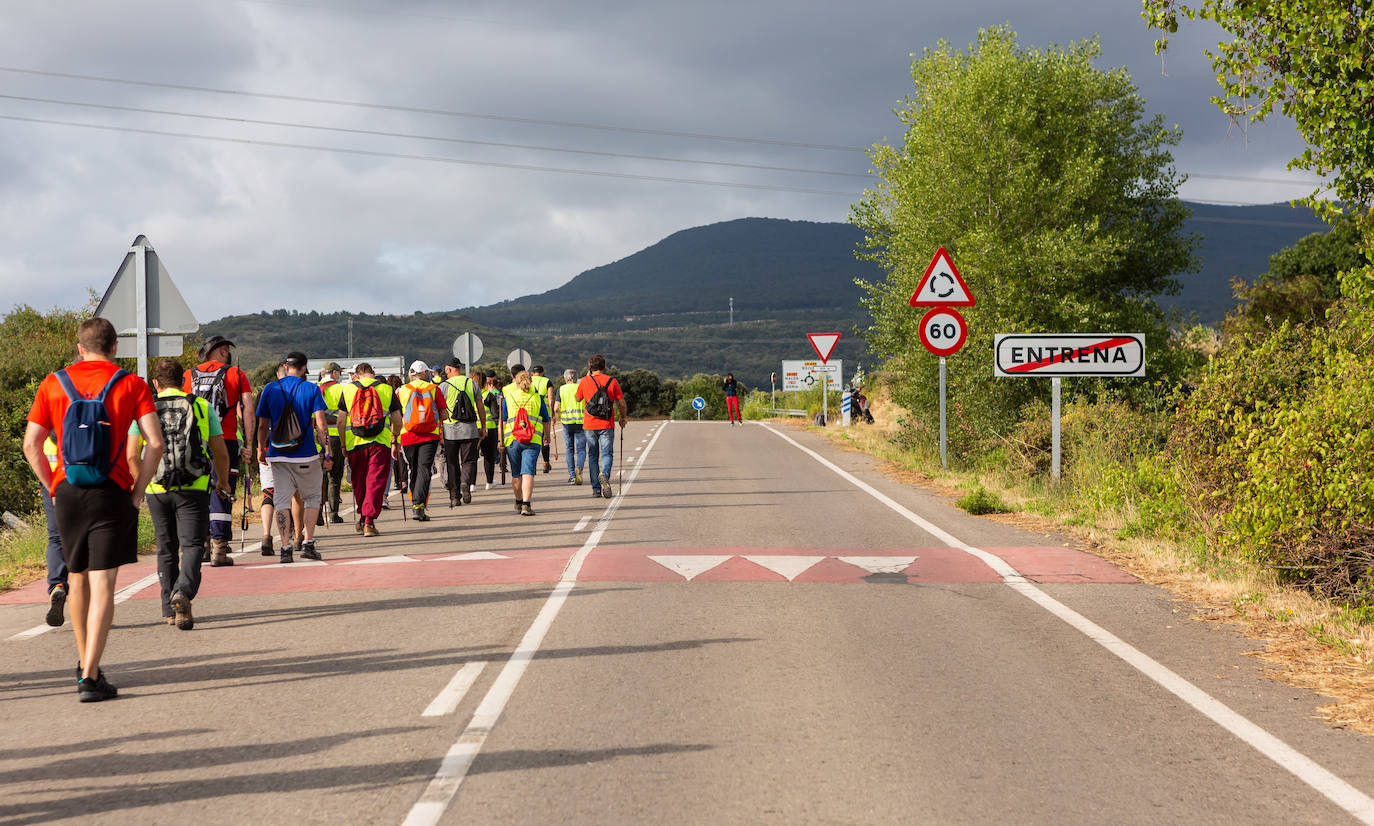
(588, 387)
(235, 385)
(127, 402)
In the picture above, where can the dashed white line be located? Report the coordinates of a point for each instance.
(582, 523)
(1333, 788)
(454, 692)
(121, 596)
(454, 767)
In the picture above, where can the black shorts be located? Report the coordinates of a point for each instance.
(99, 527)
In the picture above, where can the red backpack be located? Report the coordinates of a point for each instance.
(366, 416)
(522, 430)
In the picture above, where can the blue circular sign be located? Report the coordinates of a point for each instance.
(699, 403)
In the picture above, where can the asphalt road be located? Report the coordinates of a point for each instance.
(761, 629)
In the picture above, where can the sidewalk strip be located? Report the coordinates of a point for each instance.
(1333, 788)
(454, 767)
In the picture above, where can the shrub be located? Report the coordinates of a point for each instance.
(980, 501)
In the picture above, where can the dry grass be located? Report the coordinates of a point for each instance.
(1307, 642)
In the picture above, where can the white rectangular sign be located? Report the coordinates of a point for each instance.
(1032, 355)
(805, 375)
(382, 366)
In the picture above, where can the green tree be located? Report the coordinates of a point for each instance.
(34, 344)
(1311, 61)
(1052, 192)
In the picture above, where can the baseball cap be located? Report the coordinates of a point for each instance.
(212, 342)
(418, 366)
(331, 366)
(295, 358)
(491, 374)
(456, 363)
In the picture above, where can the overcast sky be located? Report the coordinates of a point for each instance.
(250, 226)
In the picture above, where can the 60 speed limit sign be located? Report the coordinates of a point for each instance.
(943, 331)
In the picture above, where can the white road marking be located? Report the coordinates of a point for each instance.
(454, 692)
(690, 567)
(379, 560)
(121, 596)
(454, 767)
(582, 523)
(471, 555)
(1333, 788)
(787, 566)
(879, 564)
(279, 566)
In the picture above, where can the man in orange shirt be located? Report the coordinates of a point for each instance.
(98, 522)
(226, 387)
(603, 398)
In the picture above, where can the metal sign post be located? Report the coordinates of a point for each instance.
(944, 460)
(1054, 428)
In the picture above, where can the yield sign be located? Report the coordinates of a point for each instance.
(824, 344)
(942, 285)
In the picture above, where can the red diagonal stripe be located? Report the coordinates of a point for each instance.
(1101, 345)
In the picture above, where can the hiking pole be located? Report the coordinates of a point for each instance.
(247, 503)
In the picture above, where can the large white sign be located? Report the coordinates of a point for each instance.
(382, 366)
(805, 375)
(1069, 354)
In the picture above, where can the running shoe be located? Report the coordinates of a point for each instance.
(181, 604)
(605, 486)
(526, 510)
(94, 690)
(57, 599)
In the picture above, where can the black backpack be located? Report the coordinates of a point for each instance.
(185, 459)
(209, 385)
(287, 434)
(599, 405)
(461, 409)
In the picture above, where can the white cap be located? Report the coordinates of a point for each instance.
(417, 367)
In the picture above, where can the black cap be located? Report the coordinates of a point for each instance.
(456, 363)
(491, 374)
(295, 358)
(212, 342)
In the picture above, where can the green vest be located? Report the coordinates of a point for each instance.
(332, 391)
(202, 413)
(346, 398)
(515, 399)
(540, 385)
(571, 410)
(462, 384)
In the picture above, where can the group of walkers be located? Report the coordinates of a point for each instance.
(100, 442)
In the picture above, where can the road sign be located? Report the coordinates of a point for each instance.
(942, 285)
(1069, 354)
(520, 357)
(467, 347)
(145, 307)
(805, 375)
(823, 344)
(698, 403)
(943, 331)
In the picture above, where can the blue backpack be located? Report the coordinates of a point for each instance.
(87, 442)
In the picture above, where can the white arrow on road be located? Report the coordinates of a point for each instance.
(879, 564)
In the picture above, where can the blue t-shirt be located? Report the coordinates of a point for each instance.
(304, 398)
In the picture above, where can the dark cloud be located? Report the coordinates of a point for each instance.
(247, 227)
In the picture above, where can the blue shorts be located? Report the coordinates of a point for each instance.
(524, 459)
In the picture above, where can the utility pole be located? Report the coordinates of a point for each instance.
(350, 338)
(732, 311)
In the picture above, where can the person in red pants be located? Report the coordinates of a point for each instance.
(732, 399)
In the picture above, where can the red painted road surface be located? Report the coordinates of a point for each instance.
(661, 564)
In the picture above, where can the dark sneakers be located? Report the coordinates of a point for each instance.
(267, 549)
(94, 690)
(308, 551)
(286, 557)
(57, 599)
(181, 604)
(525, 509)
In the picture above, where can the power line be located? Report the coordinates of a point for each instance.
(375, 133)
(428, 111)
(433, 158)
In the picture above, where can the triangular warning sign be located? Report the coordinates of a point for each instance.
(942, 285)
(824, 344)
